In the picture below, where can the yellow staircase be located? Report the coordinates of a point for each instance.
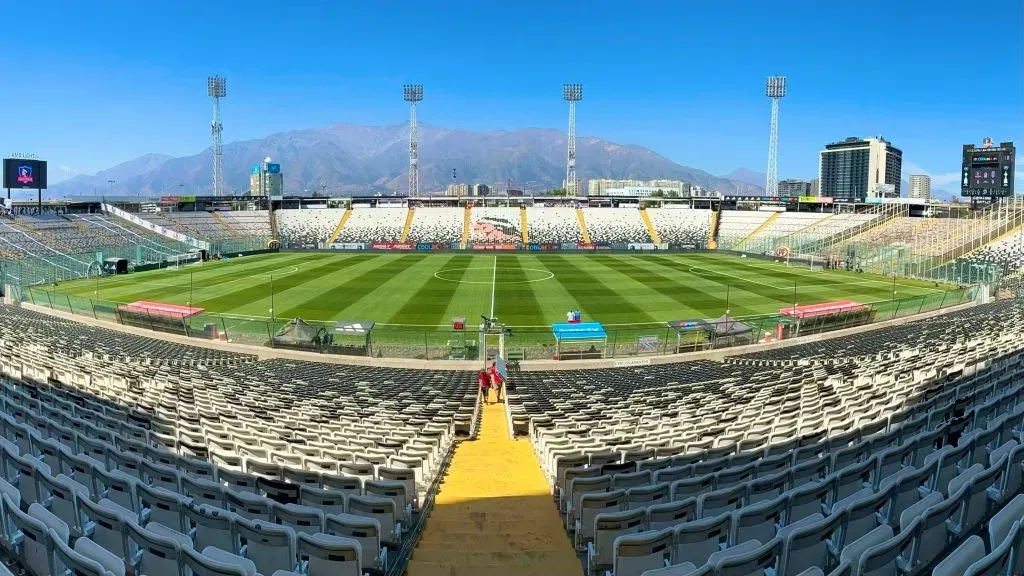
(522, 224)
(713, 228)
(231, 229)
(583, 226)
(650, 226)
(758, 230)
(466, 224)
(341, 224)
(494, 515)
(408, 224)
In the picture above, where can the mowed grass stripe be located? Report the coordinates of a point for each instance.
(693, 295)
(159, 290)
(745, 298)
(431, 301)
(359, 285)
(605, 303)
(260, 289)
(515, 300)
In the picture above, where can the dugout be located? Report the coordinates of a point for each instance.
(583, 341)
(297, 334)
(351, 338)
(115, 266)
(693, 335)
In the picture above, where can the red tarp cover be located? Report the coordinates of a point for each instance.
(161, 309)
(823, 309)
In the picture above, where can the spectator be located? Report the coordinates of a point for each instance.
(485, 384)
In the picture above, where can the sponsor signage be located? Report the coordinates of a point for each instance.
(568, 245)
(584, 246)
(391, 246)
(641, 246)
(348, 246)
(273, 168)
(425, 246)
(168, 200)
(481, 246)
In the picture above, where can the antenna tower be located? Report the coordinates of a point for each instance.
(217, 88)
(774, 88)
(571, 93)
(413, 93)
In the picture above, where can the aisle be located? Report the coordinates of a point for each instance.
(494, 515)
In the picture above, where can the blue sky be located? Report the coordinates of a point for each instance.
(105, 81)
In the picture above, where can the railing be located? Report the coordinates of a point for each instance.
(530, 342)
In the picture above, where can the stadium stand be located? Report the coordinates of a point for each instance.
(681, 225)
(832, 463)
(739, 224)
(553, 225)
(436, 225)
(215, 226)
(254, 223)
(374, 225)
(620, 225)
(787, 223)
(1008, 252)
(834, 224)
(117, 453)
(494, 225)
(307, 228)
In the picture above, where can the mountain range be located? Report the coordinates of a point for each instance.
(353, 159)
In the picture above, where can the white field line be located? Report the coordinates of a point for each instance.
(494, 278)
(809, 274)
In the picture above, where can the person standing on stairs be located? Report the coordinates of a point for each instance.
(485, 384)
(495, 380)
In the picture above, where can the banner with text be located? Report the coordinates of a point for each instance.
(165, 232)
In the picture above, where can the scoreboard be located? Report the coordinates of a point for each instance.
(988, 171)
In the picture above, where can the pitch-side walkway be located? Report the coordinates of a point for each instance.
(493, 514)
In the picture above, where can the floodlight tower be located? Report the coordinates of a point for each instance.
(413, 93)
(217, 88)
(774, 88)
(571, 93)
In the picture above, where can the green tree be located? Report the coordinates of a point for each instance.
(659, 193)
(556, 192)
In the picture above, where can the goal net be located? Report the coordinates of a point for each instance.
(177, 261)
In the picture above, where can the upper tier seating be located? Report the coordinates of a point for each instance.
(553, 225)
(279, 465)
(620, 225)
(307, 228)
(842, 464)
(374, 225)
(834, 224)
(498, 225)
(121, 233)
(683, 226)
(436, 225)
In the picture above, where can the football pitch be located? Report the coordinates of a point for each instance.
(529, 290)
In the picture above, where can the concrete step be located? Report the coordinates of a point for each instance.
(471, 557)
(450, 569)
(493, 543)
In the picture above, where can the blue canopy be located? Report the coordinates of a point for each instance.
(582, 331)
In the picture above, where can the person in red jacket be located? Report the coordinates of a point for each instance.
(484, 381)
(495, 380)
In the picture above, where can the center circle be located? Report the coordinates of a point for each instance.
(488, 274)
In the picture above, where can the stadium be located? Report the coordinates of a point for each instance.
(237, 387)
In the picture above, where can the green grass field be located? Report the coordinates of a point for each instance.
(425, 290)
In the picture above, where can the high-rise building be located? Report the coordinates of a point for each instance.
(815, 187)
(920, 186)
(850, 171)
(266, 179)
(794, 188)
(481, 190)
(459, 189)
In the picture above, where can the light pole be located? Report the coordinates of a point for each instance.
(728, 287)
(111, 187)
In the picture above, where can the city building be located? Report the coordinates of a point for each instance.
(605, 186)
(850, 170)
(266, 179)
(815, 187)
(794, 188)
(920, 186)
(481, 190)
(460, 189)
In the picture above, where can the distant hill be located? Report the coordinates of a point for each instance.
(747, 176)
(352, 159)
